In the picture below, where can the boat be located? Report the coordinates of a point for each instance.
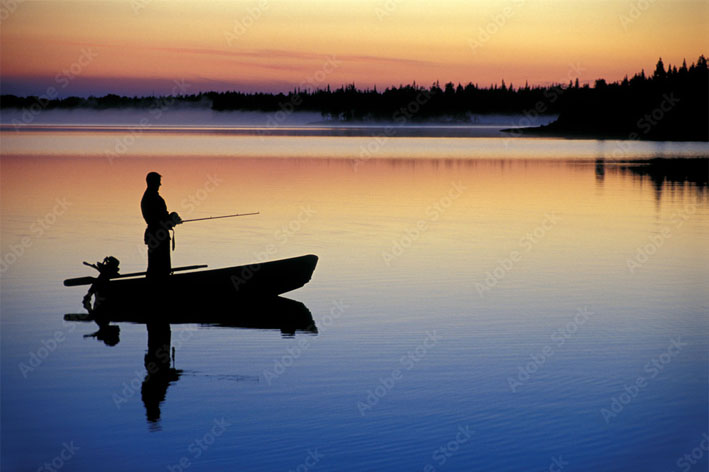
(201, 291)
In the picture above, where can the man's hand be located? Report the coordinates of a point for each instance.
(174, 220)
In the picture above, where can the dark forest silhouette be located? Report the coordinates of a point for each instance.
(672, 103)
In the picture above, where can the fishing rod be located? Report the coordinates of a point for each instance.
(217, 217)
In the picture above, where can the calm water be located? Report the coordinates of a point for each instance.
(481, 304)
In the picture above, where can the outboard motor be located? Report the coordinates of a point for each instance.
(107, 270)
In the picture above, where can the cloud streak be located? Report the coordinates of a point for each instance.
(261, 54)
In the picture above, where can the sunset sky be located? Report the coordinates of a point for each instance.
(144, 46)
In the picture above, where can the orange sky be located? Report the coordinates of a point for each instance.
(144, 46)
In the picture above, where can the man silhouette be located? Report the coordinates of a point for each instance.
(157, 235)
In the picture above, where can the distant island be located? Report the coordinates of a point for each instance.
(671, 104)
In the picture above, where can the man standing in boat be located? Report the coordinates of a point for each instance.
(157, 234)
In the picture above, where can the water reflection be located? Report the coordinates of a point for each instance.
(160, 371)
(600, 171)
(277, 313)
(359, 214)
(662, 173)
(286, 315)
(692, 171)
(109, 335)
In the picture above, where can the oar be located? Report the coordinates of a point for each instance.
(89, 280)
(217, 217)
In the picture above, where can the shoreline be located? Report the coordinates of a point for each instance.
(550, 131)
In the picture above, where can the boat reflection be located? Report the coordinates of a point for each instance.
(283, 314)
(110, 334)
(278, 313)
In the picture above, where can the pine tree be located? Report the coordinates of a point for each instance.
(659, 70)
(683, 69)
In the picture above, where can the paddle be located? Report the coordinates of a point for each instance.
(89, 280)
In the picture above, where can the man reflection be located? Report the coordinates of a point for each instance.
(160, 373)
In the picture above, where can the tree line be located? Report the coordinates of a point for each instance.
(679, 93)
(670, 104)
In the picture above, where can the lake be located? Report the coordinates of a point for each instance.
(481, 302)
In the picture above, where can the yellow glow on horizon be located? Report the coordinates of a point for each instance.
(375, 41)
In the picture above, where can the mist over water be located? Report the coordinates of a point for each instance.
(158, 116)
(202, 116)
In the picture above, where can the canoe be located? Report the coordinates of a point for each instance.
(208, 290)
